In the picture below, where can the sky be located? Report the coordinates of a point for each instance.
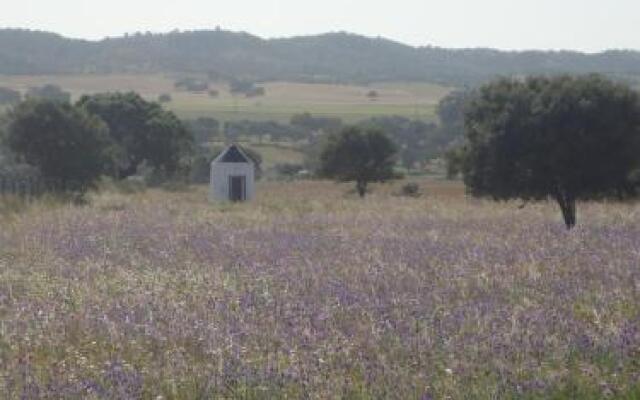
(584, 25)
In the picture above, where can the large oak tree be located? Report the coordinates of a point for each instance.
(566, 138)
(69, 146)
(143, 132)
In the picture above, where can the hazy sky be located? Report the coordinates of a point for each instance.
(588, 25)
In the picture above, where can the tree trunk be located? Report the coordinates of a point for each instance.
(361, 187)
(567, 205)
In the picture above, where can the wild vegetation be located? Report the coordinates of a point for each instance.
(414, 292)
(360, 156)
(329, 58)
(66, 144)
(565, 138)
(310, 294)
(72, 145)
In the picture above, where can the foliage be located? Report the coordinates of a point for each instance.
(65, 143)
(313, 123)
(49, 92)
(363, 156)
(568, 138)
(192, 85)
(142, 131)
(204, 129)
(411, 189)
(417, 140)
(23, 181)
(200, 169)
(454, 159)
(235, 130)
(245, 87)
(450, 112)
(329, 58)
(9, 96)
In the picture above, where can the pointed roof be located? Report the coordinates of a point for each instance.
(233, 154)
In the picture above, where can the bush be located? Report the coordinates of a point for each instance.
(411, 189)
(164, 98)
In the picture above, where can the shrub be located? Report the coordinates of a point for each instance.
(411, 189)
(164, 98)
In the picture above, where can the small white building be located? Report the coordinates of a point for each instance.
(232, 176)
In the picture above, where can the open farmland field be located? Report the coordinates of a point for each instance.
(311, 293)
(274, 154)
(282, 100)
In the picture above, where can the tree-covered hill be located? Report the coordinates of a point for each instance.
(333, 57)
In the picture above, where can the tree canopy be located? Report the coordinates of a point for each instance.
(142, 131)
(329, 58)
(360, 156)
(450, 111)
(417, 140)
(69, 146)
(9, 96)
(49, 92)
(566, 138)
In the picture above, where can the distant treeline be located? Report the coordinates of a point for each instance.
(418, 141)
(334, 57)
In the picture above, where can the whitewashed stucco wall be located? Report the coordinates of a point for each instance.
(220, 173)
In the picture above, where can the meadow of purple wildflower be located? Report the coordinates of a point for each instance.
(306, 293)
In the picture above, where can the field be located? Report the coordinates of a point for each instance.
(282, 99)
(310, 292)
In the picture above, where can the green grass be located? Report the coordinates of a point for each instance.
(283, 99)
(282, 112)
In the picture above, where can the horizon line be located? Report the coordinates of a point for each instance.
(325, 33)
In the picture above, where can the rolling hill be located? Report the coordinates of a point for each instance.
(328, 58)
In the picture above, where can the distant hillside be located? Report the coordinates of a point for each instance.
(333, 57)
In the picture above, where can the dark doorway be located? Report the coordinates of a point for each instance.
(237, 188)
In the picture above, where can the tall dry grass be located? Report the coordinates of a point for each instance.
(313, 293)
